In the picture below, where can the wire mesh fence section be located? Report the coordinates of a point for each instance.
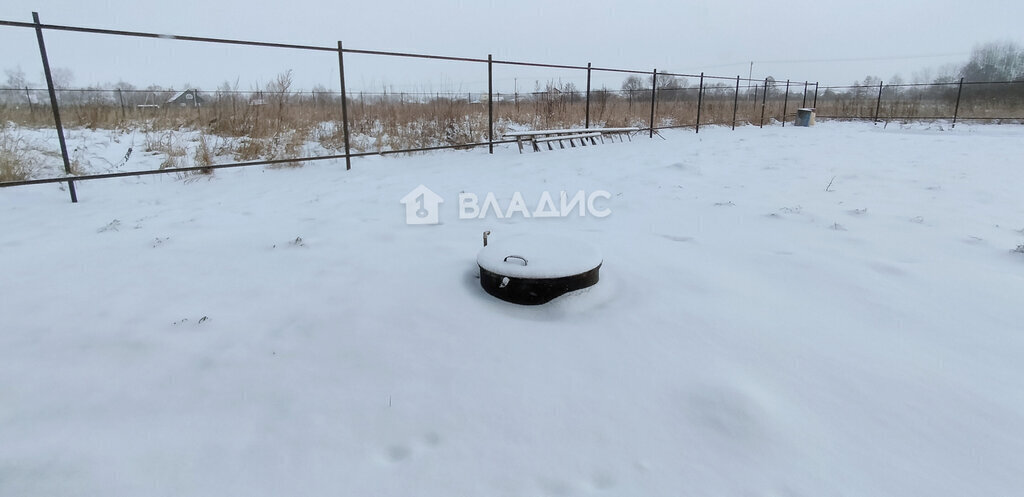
(960, 100)
(202, 129)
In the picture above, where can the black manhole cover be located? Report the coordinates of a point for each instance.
(533, 270)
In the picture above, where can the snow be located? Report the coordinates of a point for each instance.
(177, 96)
(533, 132)
(756, 330)
(547, 256)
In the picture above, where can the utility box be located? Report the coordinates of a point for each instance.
(805, 117)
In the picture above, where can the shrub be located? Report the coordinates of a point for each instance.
(17, 162)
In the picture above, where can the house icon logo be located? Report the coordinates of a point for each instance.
(421, 206)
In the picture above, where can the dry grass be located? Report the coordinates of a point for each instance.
(167, 143)
(201, 155)
(281, 124)
(18, 162)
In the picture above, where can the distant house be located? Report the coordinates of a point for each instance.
(186, 98)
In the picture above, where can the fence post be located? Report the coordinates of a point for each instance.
(785, 105)
(344, 106)
(735, 102)
(755, 98)
(815, 104)
(31, 106)
(121, 98)
(490, 104)
(55, 106)
(804, 102)
(956, 110)
(587, 122)
(764, 100)
(878, 105)
(654, 91)
(700, 101)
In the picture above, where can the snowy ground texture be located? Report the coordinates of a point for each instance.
(283, 332)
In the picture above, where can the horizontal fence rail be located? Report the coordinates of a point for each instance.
(649, 100)
(962, 100)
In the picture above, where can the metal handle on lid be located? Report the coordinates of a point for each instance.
(516, 257)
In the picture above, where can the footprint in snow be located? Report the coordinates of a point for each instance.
(400, 452)
(111, 226)
(886, 269)
(557, 487)
(728, 413)
(691, 169)
(603, 480)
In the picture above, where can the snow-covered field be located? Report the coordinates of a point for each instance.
(284, 332)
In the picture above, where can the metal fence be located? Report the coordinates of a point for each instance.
(89, 103)
(352, 124)
(996, 101)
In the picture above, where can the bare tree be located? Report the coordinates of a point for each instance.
(15, 79)
(278, 91)
(996, 61)
(634, 83)
(62, 78)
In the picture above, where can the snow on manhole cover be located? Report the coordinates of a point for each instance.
(532, 270)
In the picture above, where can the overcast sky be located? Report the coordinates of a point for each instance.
(834, 43)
